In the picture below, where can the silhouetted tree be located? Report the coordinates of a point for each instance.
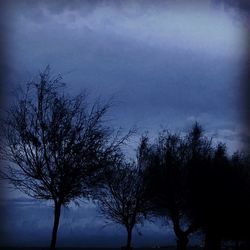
(122, 198)
(56, 146)
(206, 195)
(237, 228)
(221, 198)
(171, 158)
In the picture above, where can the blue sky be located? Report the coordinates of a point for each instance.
(166, 65)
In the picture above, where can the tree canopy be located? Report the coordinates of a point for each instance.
(56, 146)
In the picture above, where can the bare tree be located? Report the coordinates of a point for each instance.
(55, 147)
(123, 199)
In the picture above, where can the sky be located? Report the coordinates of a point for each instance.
(166, 65)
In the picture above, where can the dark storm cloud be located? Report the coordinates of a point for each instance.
(165, 66)
(241, 5)
(87, 6)
(161, 72)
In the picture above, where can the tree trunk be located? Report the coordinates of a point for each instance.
(237, 244)
(57, 212)
(129, 239)
(182, 243)
(182, 236)
(212, 241)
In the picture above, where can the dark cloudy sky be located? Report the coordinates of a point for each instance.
(166, 65)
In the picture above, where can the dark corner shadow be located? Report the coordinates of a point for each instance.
(2, 83)
(246, 80)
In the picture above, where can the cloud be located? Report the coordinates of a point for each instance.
(240, 5)
(162, 64)
(154, 24)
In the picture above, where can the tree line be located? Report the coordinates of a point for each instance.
(60, 148)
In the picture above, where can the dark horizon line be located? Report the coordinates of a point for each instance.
(121, 247)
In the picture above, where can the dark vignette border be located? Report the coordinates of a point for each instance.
(242, 6)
